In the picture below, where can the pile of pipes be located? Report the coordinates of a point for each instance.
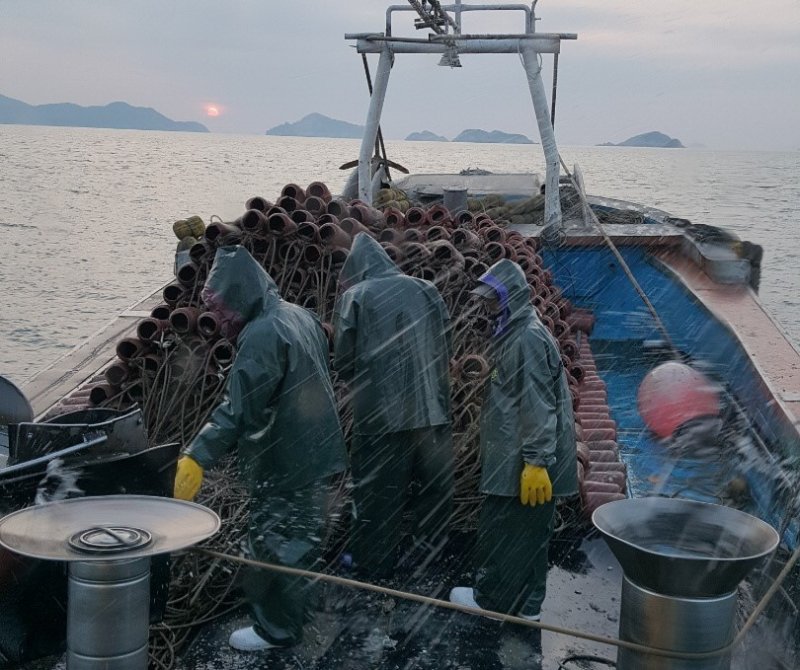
(602, 476)
(176, 365)
(496, 207)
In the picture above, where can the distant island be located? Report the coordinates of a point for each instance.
(651, 139)
(426, 136)
(472, 135)
(493, 137)
(318, 125)
(119, 115)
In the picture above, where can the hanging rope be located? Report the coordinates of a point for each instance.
(659, 323)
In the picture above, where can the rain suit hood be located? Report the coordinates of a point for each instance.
(239, 284)
(367, 260)
(527, 412)
(511, 287)
(391, 344)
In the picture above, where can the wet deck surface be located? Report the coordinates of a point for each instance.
(360, 629)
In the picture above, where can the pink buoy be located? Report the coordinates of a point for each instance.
(672, 394)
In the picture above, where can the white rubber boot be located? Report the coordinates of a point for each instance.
(464, 595)
(246, 639)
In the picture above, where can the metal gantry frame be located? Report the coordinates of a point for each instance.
(529, 45)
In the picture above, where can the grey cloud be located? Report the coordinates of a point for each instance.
(266, 62)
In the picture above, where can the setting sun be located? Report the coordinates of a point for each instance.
(212, 110)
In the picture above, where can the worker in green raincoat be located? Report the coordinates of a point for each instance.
(279, 410)
(527, 441)
(392, 347)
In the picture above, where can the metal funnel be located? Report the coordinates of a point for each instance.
(108, 542)
(66, 530)
(683, 548)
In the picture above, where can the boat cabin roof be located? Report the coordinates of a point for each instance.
(478, 183)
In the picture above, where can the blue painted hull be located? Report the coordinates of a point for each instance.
(622, 344)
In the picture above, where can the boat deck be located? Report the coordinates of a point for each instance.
(356, 629)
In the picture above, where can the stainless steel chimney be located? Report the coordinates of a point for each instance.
(108, 542)
(108, 614)
(455, 199)
(682, 562)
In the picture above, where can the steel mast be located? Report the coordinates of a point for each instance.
(447, 38)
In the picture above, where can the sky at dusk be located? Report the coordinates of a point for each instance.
(724, 74)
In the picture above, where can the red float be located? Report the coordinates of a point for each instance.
(672, 394)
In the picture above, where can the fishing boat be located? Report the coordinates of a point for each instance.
(650, 312)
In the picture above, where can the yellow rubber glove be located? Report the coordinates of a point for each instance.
(534, 486)
(188, 478)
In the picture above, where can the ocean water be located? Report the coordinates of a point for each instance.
(86, 214)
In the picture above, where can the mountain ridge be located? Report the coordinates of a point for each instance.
(491, 137)
(118, 115)
(425, 136)
(652, 139)
(319, 125)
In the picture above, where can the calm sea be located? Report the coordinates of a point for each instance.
(86, 215)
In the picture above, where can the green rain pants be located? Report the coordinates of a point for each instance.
(285, 528)
(511, 555)
(383, 468)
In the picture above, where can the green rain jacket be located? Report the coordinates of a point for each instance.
(391, 344)
(527, 411)
(279, 406)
